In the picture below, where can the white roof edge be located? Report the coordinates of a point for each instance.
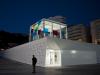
(44, 19)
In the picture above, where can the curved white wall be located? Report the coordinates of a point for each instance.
(72, 53)
(23, 53)
(78, 57)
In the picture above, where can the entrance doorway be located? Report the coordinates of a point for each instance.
(53, 58)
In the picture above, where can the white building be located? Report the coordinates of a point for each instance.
(54, 51)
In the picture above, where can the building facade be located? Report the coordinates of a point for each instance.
(55, 50)
(95, 31)
(78, 32)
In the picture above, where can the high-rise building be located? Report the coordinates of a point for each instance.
(95, 31)
(78, 32)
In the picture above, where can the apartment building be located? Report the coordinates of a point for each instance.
(78, 32)
(95, 31)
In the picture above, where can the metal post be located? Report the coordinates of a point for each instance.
(60, 32)
(30, 34)
(43, 27)
(66, 33)
(37, 34)
(50, 30)
(51, 33)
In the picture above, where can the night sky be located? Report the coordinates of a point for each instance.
(18, 15)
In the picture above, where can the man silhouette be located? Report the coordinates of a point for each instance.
(34, 61)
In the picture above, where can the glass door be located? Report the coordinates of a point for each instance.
(53, 58)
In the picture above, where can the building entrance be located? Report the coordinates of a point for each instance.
(53, 58)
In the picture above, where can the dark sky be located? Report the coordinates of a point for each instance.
(18, 15)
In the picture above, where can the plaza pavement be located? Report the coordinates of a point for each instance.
(9, 67)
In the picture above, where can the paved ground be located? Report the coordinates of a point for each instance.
(9, 67)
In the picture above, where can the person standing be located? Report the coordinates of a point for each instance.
(34, 61)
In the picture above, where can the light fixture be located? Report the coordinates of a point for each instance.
(73, 51)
